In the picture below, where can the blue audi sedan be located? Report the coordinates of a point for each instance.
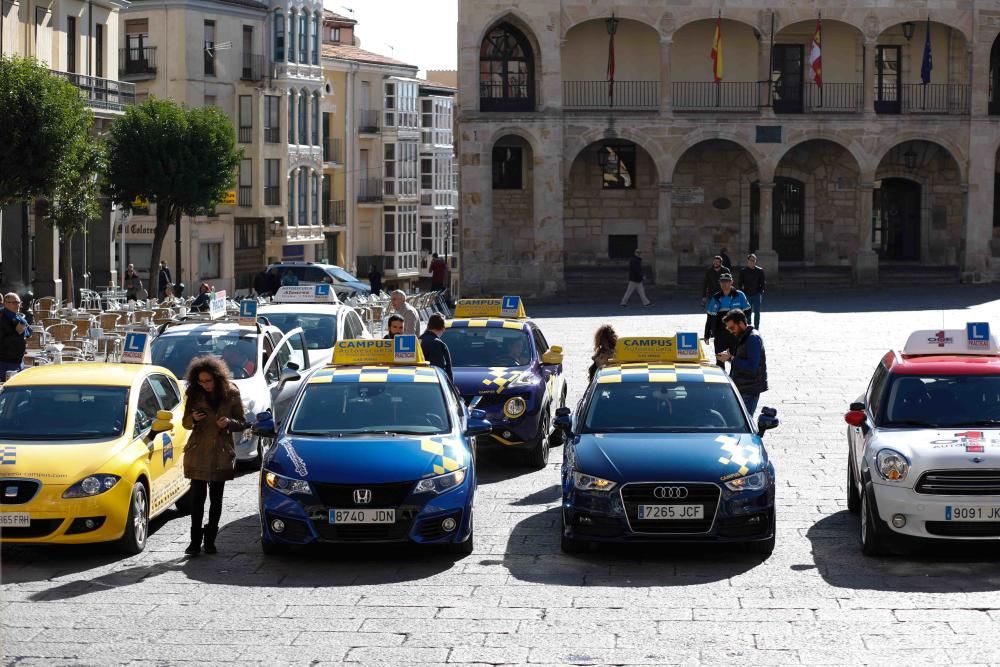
(662, 449)
(375, 448)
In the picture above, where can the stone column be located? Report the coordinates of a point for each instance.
(666, 85)
(868, 79)
(865, 265)
(767, 258)
(665, 259)
(46, 281)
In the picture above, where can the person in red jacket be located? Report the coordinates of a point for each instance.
(438, 269)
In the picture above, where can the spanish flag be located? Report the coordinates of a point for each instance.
(717, 51)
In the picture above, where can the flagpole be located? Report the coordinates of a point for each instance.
(770, 66)
(820, 21)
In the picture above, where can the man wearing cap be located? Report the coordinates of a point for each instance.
(718, 306)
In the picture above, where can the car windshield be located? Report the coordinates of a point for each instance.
(342, 408)
(236, 348)
(667, 407)
(943, 401)
(26, 413)
(319, 329)
(487, 346)
(341, 275)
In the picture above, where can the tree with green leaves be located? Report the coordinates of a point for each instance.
(183, 160)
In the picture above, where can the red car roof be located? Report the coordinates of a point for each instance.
(945, 364)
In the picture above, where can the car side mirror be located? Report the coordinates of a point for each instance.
(477, 414)
(553, 356)
(855, 417)
(857, 406)
(163, 421)
(563, 420)
(264, 427)
(474, 427)
(289, 374)
(293, 365)
(767, 420)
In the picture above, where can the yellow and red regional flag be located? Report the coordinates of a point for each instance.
(717, 51)
(816, 53)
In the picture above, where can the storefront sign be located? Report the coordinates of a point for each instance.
(229, 199)
(688, 195)
(217, 305)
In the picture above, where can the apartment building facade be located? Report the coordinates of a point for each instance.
(77, 40)
(881, 158)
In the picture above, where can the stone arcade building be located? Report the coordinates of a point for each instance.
(882, 168)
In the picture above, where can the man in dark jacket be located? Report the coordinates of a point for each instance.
(747, 358)
(635, 280)
(435, 350)
(752, 283)
(719, 305)
(438, 269)
(14, 331)
(727, 263)
(710, 284)
(163, 280)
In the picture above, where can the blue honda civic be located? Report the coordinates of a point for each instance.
(662, 449)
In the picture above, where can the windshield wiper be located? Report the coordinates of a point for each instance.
(978, 422)
(914, 422)
(400, 432)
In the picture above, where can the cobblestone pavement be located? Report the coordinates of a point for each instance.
(517, 599)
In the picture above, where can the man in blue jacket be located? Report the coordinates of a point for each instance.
(436, 350)
(747, 358)
(14, 332)
(718, 306)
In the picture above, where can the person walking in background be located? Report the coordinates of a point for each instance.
(635, 278)
(260, 284)
(719, 305)
(14, 333)
(213, 412)
(411, 318)
(747, 359)
(163, 280)
(605, 340)
(727, 264)
(710, 283)
(395, 326)
(201, 302)
(752, 283)
(436, 350)
(375, 279)
(132, 284)
(438, 269)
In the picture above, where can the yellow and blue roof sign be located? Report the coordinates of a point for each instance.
(680, 348)
(483, 323)
(671, 372)
(377, 374)
(401, 350)
(507, 307)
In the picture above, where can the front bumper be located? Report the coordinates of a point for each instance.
(418, 519)
(927, 515)
(745, 516)
(507, 432)
(58, 520)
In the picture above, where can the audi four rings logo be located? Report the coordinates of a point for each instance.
(670, 492)
(362, 496)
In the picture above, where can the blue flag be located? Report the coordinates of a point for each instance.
(928, 62)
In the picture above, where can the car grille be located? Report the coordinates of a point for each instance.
(964, 528)
(38, 528)
(341, 496)
(704, 494)
(959, 483)
(391, 532)
(18, 491)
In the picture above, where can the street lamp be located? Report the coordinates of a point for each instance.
(908, 30)
(612, 25)
(910, 158)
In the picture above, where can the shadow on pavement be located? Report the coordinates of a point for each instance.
(926, 567)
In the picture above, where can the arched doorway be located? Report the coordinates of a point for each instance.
(896, 220)
(506, 71)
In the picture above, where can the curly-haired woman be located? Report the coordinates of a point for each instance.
(213, 412)
(605, 340)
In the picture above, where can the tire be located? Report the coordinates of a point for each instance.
(853, 497)
(873, 541)
(133, 540)
(538, 456)
(272, 548)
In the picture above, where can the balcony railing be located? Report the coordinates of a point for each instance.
(834, 98)
(253, 67)
(101, 93)
(937, 98)
(724, 96)
(245, 135)
(368, 122)
(137, 61)
(635, 95)
(370, 190)
(272, 195)
(334, 213)
(331, 149)
(510, 96)
(272, 135)
(244, 197)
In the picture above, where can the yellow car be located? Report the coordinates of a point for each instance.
(89, 452)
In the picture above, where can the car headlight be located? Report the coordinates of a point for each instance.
(891, 465)
(286, 485)
(514, 407)
(754, 482)
(585, 482)
(440, 483)
(91, 486)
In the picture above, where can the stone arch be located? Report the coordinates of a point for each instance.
(865, 162)
(584, 67)
(514, 65)
(581, 141)
(789, 17)
(567, 22)
(956, 153)
(883, 29)
(677, 151)
(711, 16)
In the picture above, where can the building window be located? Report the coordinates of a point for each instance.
(303, 27)
(245, 194)
(279, 36)
(291, 198)
(210, 48)
(315, 199)
(209, 101)
(617, 167)
(247, 235)
(272, 121)
(335, 35)
(99, 50)
(401, 239)
(507, 168)
(272, 187)
(210, 261)
(303, 115)
(246, 119)
(506, 71)
(291, 117)
(291, 36)
(301, 178)
(71, 44)
(315, 39)
(315, 120)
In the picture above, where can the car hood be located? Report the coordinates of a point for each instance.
(67, 462)
(687, 457)
(366, 459)
(478, 380)
(928, 449)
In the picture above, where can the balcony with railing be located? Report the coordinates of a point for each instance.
(334, 213)
(137, 64)
(370, 191)
(369, 122)
(272, 195)
(245, 195)
(811, 97)
(619, 95)
(332, 150)
(920, 98)
(101, 94)
(726, 96)
(253, 67)
(245, 134)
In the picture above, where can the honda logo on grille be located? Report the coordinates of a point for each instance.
(670, 492)
(362, 496)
